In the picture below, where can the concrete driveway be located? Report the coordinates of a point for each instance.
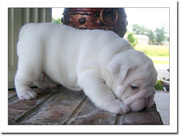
(162, 103)
(161, 97)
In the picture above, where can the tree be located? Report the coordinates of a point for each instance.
(140, 30)
(58, 21)
(133, 41)
(152, 38)
(136, 29)
(160, 34)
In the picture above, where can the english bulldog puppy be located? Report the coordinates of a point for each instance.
(114, 76)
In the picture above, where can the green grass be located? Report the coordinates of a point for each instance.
(155, 52)
(160, 62)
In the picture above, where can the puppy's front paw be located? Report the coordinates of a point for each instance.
(118, 107)
(26, 94)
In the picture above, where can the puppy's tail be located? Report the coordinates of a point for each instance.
(23, 29)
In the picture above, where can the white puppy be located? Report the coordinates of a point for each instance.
(114, 76)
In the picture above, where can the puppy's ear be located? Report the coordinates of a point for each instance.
(118, 72)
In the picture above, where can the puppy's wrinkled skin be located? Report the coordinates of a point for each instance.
(114, 76)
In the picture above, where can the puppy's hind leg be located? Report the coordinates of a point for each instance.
(23, 80)
(44, 83)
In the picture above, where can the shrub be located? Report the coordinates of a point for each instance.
(133, 41)
(58, 21)
(159, 85)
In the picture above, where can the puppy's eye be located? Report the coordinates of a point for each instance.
(134, 87)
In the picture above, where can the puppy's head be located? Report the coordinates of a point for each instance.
(134, 77)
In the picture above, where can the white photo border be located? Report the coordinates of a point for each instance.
(8, 129)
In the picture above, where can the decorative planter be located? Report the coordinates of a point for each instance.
(96, 18)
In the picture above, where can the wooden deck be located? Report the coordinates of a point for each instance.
(65, 107)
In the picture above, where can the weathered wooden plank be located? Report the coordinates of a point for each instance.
(91, 115)
(18, 109)
(59, 110)
(144, 117)
(11, 94)
(63, 106)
